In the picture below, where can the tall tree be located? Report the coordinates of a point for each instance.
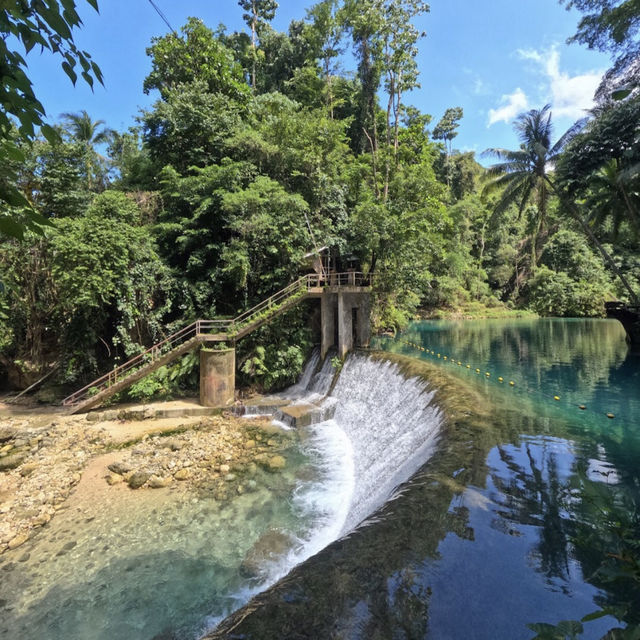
(446, 130)
(88, 133)
(257, 13)
(400, 67)
(522, 175)
(195, 55)
(327, 32)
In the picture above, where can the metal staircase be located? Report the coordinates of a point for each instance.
(204, 331)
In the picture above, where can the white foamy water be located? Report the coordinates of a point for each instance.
(385, 427)
(393, 427)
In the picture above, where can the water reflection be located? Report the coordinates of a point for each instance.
(527, 514)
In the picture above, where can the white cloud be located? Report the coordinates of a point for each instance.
(570, 96)
(513, 104)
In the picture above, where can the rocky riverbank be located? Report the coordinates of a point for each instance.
(42, 459)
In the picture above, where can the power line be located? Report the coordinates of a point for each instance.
(155, 6)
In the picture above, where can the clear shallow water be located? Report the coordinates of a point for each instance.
(527, 514)
(168, 564)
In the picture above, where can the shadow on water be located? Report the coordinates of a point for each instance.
(528, 513)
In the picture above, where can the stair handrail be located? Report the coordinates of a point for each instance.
(146, 357)
(230, 327)
(301, 284)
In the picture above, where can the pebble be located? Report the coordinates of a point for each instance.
(18, 541)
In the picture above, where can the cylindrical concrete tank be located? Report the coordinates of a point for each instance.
(217, 377)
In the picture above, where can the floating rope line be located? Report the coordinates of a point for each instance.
(487, 374)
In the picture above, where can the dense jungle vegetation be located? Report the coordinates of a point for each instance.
(259, 148)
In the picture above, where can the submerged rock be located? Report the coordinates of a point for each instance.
(19, 540)
(268, 547)
(276, 463)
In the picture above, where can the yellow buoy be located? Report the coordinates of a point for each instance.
(487, 374)
(500, 379)
(445, 357)
(477, 370)
(432, 352)
(582, 407)
(438, 355)
(556, 397)
(459, 363)
(511, 382)
(468, 366)
(610, 415)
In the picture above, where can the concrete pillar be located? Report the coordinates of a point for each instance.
(217, 377)
(364, 320)
(345, 325)
(328, 322)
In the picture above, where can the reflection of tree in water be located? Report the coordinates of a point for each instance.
(607, 543)
(578, 518)
(536, 495)
(399, 610)
(578, 355)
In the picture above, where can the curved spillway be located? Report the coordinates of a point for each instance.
(392, 425)
(385, 427)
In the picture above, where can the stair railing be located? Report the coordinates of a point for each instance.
(152, 354)
(261, 311)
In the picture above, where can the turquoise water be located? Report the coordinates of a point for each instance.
(526, 522)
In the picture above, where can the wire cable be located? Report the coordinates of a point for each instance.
(164, 18)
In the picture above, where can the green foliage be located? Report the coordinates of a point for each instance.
(558, 294)
(210, 205)
(272, 357)
(29, 24)
(196, 55)
(174, 380)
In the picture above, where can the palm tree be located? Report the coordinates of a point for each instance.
(522, 174)
(611, 196)
(85, 130)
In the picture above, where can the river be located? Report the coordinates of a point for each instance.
(524, 522)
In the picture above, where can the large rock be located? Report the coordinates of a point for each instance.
(7, 433)
(119, 467)
(137, 479)
(159, 482)
(182, 474)
(268, 547)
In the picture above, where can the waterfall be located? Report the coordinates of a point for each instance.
(385, 427)
(389, 422)
(321, 382)
(393, 427)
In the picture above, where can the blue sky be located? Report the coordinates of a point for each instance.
(494, 58)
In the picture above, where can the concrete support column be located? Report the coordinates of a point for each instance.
(217, 377)
(364, 321)
(345, 326)
(328, 320)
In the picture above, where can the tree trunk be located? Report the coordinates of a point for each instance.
(587, 229)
